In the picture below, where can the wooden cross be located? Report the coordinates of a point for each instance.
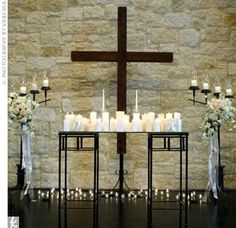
(121, 57)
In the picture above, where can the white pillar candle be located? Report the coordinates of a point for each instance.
(120, 114)
(136, 101)
(168, 122)
(103, 100)
(127, 123)
(98, 125)
(67, 116)
(45, 83)
(71, 119)
(144, 121)
(149, 125)
(120, 124)
(229, 92)
(83, 124)
(217, 89)
(177, 125)
(34, 86)
(137, 125)
(66, 125)
(169, 115)
(105, 121)
(157, 125)
(93, 116)
(161, 116)
(128, 126)
(151, 115)
(23, 90)
(194, 82)
(177, 115)
(136, 115)
(205, 86)
(112, 124)
(126, 118)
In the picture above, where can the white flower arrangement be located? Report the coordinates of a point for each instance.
(218, 113)
(20, 110)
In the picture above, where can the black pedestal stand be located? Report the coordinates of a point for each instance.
(220, 167)
(21, 171)
(121, 172)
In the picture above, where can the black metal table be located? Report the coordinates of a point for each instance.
(167, 145)
(80, 137)
(166, 138)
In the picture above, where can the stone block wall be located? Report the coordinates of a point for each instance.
(42, 34)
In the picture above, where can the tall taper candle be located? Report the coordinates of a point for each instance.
(136, 101)
(103, 100)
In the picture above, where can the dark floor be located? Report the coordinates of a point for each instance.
(127, 213)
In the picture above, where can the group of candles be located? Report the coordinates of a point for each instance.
(34, 85)
(79, 194)
(205, 86)
(146, 123)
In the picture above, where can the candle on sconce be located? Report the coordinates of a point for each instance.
(23, 90)
(93, 116)
(194, 82)
(205, 86)
(45, 83)
(217, 89)
(229, 92)
(34, 86)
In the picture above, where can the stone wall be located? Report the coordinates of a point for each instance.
(42, 34)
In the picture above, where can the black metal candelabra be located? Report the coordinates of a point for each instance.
(205, 92)
(217, 95)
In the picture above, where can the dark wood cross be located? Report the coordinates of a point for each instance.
(121, 57)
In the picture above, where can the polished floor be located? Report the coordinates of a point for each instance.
(125, 213)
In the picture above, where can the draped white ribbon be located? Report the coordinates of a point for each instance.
(212, 168)
(27, 163)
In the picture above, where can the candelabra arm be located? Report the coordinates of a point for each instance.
(44, 101)
(195, 101)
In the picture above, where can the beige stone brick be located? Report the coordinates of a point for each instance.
(50, 38)
(93, 12)
(50, 51)
(36, 17)
(163, 35)
(75, 13)
(216, 34)
(50, 5)
(232, 68)
(189, 37)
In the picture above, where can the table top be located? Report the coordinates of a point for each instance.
(71, 133)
